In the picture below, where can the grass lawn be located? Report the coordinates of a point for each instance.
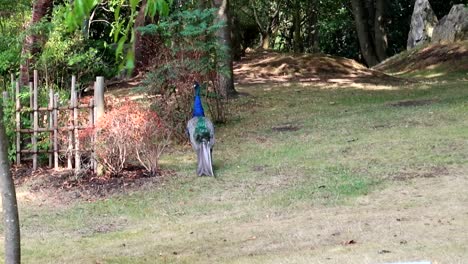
(304, 174)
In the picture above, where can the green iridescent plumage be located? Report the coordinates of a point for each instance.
(201, 131)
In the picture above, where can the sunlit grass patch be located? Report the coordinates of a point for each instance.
(332, 185)
(290, 157)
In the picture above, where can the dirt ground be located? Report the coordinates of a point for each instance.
(451, 57)
(271, 67)
(258, 67)
(422, 216)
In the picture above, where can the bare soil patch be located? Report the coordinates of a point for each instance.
(272, 67)
(66, 187)
(409, 103)
(286, 128)
(431, 172)
(452, 56)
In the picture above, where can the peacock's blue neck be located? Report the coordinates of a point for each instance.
(197, 104)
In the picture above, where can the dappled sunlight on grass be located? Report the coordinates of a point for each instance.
(301, 170)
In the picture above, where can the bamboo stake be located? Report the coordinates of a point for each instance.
(31, 102)
(35, 119)
(51, 124)
(99, 100)
(55, 113)
(18, 124)
(91, 125)
(70, 133)
(75, 126)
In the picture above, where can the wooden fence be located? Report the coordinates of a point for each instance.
(50, 116)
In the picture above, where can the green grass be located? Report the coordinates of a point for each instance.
(350, 143)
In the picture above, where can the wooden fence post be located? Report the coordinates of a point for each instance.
(91, 125)
(31, 102)
(51, 125)
(75, 127)
(55, 117)
(70, 124)
(100, 109)
(35, 120)
(18, 123)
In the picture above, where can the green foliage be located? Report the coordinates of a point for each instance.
(125, 12)
(191, 32)
(337, 29)
(191, 53)
(10, 126)
(69, 53)
(11, 22)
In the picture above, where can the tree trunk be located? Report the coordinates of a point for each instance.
(30, 46)
(381, 43)
(10, 207)
(311, 41)
(265, 40)
(297, 40)
(138, 44)
(236, 38)
(362, 28)
(226, 81)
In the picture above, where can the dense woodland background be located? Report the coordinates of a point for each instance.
(372, 132)
(39, 32)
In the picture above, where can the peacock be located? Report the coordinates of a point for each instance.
(201, 133)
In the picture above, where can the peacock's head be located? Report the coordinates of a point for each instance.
(196, 86)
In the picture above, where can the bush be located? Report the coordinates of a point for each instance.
(130, 133)
(189, 52)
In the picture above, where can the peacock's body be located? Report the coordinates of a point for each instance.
(201, 133)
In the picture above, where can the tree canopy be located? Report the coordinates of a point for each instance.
(102, 35)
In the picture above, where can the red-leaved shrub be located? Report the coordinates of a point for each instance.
(130, 133)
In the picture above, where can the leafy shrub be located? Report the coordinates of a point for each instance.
(129, 133)
(189, 52)
(68, 53)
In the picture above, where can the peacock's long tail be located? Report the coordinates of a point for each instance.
(205, 166)
(202, 138)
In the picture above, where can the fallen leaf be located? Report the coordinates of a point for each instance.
(349, 242)
(384, 251)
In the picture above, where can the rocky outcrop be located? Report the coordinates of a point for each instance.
(423, 22)
(452, 27)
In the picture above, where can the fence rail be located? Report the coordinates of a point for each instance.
(52, 127)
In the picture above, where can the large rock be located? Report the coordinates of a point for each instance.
(423, 22)
(452, 27)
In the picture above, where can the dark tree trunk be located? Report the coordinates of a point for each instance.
(144, 45)
(312, 28)
(270, 25)
(236, 38)
(365, 39)
(266, 40)
(297, 39)
(10, 207)
(30, 44)
(380, 38)
(226, 81)
(138, 45)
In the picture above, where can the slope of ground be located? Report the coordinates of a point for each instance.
(304, 175)
(430, 61)
(272, 67)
